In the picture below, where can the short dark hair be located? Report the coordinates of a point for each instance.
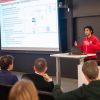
(90, 28)
(5, 61)
(40, 64)
(90, 69)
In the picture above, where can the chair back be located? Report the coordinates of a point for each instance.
(4, 91)
(45, 95)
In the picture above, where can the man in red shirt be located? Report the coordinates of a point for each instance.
(90, 43)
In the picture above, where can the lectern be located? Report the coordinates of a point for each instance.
(81, 78)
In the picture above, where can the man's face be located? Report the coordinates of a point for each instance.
(87, 31)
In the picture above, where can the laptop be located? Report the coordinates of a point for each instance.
(75, 51)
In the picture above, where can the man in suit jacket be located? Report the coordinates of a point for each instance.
(6, 76)
(85, 92)
(40, 78)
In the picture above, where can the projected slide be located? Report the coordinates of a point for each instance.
(29, 25)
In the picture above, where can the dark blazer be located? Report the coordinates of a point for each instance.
(40, 82)
(85, 92)
(6, 77)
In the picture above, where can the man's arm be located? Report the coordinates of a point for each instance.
(72, 95)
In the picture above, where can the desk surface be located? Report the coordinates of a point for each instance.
(67, 55)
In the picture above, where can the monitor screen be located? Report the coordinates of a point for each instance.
(29, 25)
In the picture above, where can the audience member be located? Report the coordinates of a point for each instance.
(6, 65)
(23, 90)
(40, 78)
(85, 92)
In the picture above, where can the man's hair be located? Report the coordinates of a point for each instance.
(5, 61)
(23, 90)
(90, 69)
(40, 64)
(90, 28)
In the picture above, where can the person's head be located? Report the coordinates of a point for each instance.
(88, 30)
(40, 65)
(90, 70)
(23, 90)
(6, 62)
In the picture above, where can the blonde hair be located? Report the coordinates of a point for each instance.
(23, 90)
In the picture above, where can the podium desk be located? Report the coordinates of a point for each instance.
(81, 78)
